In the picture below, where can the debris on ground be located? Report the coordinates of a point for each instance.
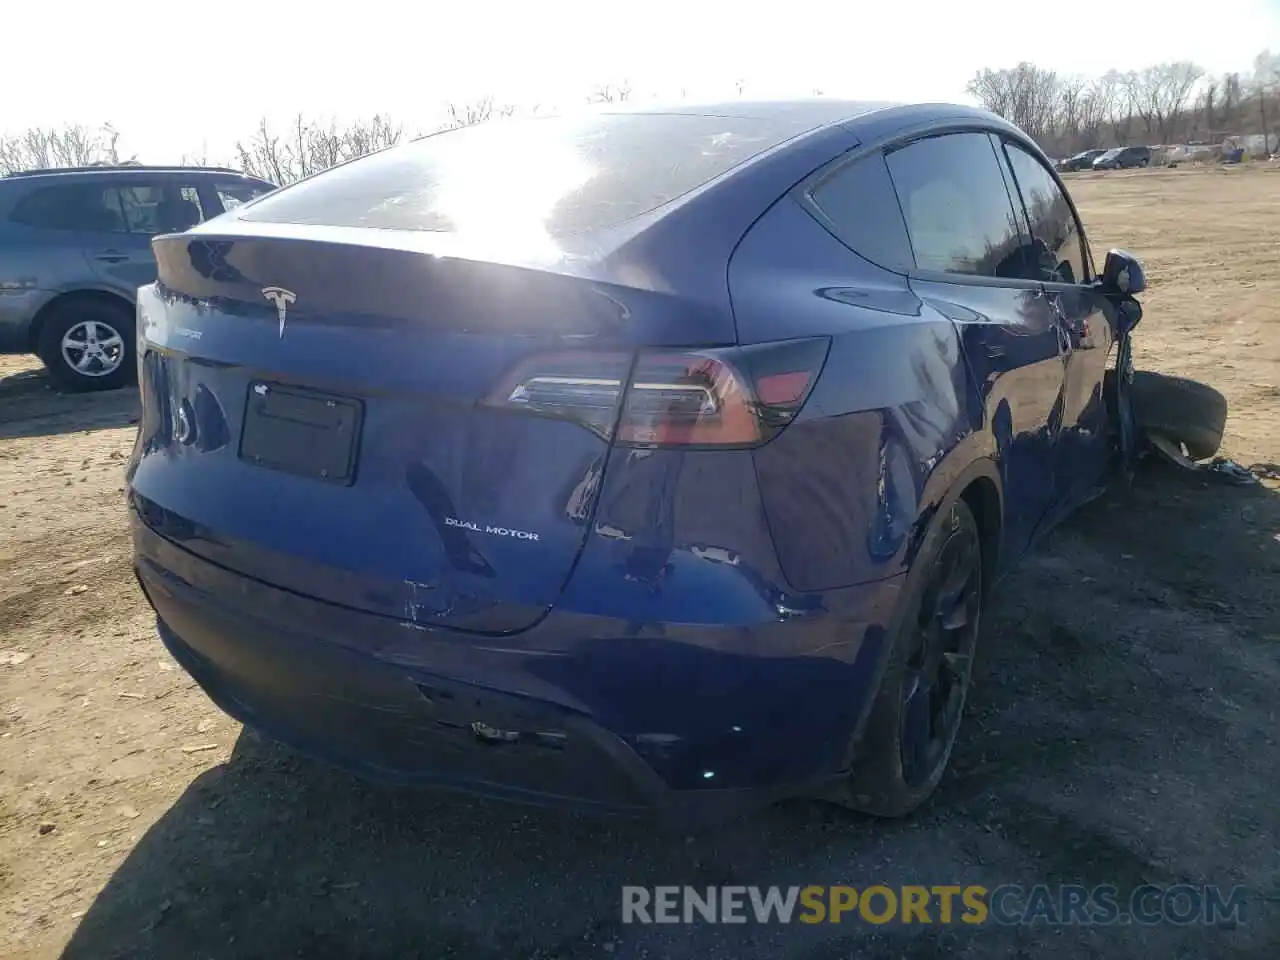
(1232, 471)
(1221, 468)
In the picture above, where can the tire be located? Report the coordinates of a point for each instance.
(107, 332)
(894, 770)
(1185, 411)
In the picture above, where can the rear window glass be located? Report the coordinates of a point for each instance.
(566, 175)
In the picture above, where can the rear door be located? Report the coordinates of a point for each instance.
(85, 214)
(1063, 266)
(40, 241)
(971, 257)
(142, 209)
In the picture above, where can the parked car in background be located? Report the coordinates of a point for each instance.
(667, 466)
(1081, 161)
(75, 245)
(1123, 158)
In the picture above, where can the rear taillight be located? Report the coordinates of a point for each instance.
(735, 397)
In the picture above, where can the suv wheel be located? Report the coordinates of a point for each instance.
(916, 714)
(88, 345)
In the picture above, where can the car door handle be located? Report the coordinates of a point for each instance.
(111, 256)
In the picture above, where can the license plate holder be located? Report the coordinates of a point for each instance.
(303, 432)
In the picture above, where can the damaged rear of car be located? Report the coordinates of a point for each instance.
(669, 468)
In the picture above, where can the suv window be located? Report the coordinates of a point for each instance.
(70, 206)
(959, 215)
(232, 195)
(860, 207)
(1058, 253)
(110, 208)
(154, 208)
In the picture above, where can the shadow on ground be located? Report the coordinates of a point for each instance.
(1122, 732)
(31, 406)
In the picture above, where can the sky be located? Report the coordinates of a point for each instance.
(182, 78)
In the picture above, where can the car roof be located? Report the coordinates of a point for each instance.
(814, 111)
(820, 112)
(795, 137)
(121, 170)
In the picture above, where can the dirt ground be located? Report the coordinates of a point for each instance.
(1122, 729)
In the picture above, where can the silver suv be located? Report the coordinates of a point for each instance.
(75, 245)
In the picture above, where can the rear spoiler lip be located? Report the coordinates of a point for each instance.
(574, 256)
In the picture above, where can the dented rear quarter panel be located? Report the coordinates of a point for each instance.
(892, 424)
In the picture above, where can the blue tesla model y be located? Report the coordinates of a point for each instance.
(639, 459)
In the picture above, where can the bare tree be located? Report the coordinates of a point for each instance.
(196, 158)
(476, 111)
(1232, 96)
(611, 93)
(1159, 94)
(264, 158)
(1026, 95)
(1177, 81)
(311, 147)
(1113, 96)
(1206, 106)
(1140, 91)
(69, 146)
(1095, 109)
(1073, 96)
(1263, 84)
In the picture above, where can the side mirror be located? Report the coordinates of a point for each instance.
(1122, 274)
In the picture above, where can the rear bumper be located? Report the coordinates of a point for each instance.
(582, 711)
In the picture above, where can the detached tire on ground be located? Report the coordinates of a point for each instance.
(88, 345)
(1184, 411)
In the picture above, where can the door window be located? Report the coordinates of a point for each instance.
(957, 209)
(1058, 253)
(160, 208)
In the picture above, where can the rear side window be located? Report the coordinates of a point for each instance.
(958, 212)
(553, 176)
(71, 206)
(1056, 248)
(859, 206)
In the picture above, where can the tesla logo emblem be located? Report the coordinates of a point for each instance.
(281, 298)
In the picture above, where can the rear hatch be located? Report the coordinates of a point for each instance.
(393, 387)
(425, 443)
